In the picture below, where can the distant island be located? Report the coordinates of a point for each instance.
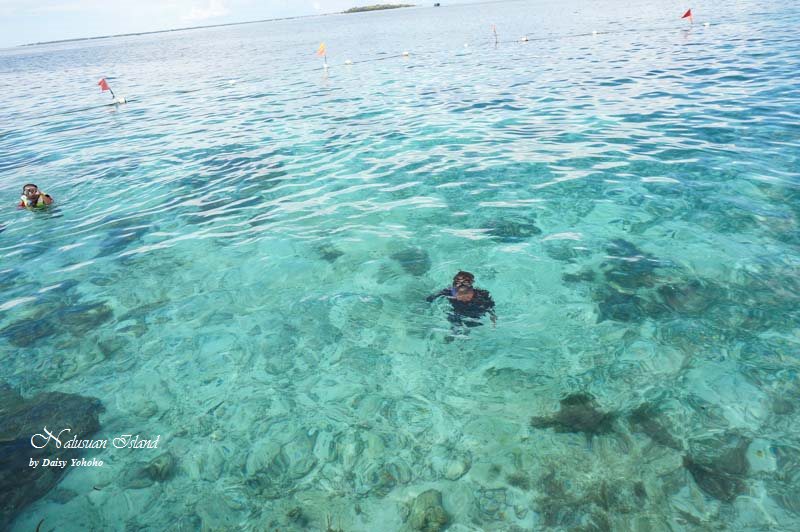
(376, 7)
(353, 10)
(187, 28)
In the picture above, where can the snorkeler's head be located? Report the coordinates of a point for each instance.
(463, 278)
(30, 190)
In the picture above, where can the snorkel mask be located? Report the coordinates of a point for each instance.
(461, 279)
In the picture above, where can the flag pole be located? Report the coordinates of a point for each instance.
(323, 51)
(104, 86)
(494, 30)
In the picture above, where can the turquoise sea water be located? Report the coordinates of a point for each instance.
(238, 261)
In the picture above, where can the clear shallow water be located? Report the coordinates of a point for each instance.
(225, 265)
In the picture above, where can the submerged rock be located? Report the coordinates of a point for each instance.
(691, 298)
(578, 277)
(415, 261)
(510, 231)
(566, 249)
(143, 475)
(26, 332)
(627, 307)
(719, 466)
(427, 513)
(520, 480)
(380, 479)
(119, 239)
(491, 503)
(578, 413)
(628, 267)
(782, 406)
(20, 419)
(645, 419)
(82, 318)
(619, 306)
(273, 468)
(56, 316)
(329, 252)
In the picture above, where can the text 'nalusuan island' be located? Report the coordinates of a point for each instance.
(123, 441)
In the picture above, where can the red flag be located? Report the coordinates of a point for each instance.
(103, 85)
(688, 14)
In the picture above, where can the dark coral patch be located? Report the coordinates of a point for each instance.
(719, 465)
(415, 261)
(579, 412)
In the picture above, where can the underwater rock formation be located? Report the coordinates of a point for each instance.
(719, 465)
(510, 231)
(578, 277)
(620, 306)
(415, 261)
(578, 413)
(427, 512)
(565, 506)
(329, 252)
(159, 469)
(490, 503)
(273, 468)
(58, 312)
(645, 419)
(566, 250)
(120, 239)
(380, 479)
(26, 332)
(520, 480)
(691, 298)
(628, 267)
(20, 419)
(82, 318)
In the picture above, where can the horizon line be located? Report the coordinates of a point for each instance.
(187, 28)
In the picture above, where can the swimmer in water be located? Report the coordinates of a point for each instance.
(33, 198)
(469, 303)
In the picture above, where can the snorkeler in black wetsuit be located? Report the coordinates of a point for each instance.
(469, 303)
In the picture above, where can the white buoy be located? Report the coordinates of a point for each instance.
(524, 39)
(594, 32)
(405, 54)
(348, 62)
(121, 99)
(706, 24)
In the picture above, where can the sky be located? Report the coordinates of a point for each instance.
(30, 21)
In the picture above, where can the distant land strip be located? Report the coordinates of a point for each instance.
(351, 10)
(176, 29)
(376, 7)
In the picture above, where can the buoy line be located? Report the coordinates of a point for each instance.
(326, 67)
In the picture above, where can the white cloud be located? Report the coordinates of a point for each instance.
(213, 9)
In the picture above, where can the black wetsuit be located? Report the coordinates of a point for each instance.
(467, 313)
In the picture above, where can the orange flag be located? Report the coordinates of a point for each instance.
(321, 51)
(103, 85)
(688, 14)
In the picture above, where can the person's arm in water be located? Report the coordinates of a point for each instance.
(488, 303)
(47, 199)
(445, 292)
